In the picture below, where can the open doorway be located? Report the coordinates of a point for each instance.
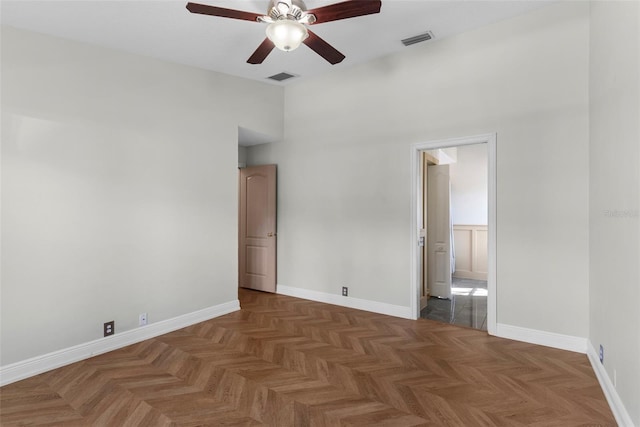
(257, 212)
(454, 211)
(455, 199)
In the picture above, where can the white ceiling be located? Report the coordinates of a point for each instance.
(166, 30)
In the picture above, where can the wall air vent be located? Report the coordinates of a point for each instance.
(417, 39)
(281, 76)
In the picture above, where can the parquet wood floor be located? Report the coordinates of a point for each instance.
(282, 361)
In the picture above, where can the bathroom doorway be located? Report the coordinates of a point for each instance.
(455, 217)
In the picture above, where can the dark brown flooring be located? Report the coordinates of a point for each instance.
(283, 361)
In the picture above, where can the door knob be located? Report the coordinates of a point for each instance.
(271, 234)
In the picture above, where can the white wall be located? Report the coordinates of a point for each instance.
(615, 194)
(469, 186)
(119, 189)
(242, 155)
(344, 172)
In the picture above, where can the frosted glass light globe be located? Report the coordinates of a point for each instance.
(286, 34)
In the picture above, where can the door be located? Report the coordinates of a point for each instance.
(422, 234)
(426, 160)
(257, 228)
(438, 231)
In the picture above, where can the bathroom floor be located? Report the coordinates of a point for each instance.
(467, 307)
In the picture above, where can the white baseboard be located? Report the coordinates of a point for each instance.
(549, 339)
(473, 275)
(615, 403)
(39, 364)
(357, 303)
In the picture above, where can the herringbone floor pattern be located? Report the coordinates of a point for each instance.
(283, 361)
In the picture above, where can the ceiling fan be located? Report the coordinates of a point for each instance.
(288, 21)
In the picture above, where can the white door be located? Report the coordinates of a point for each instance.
(422, 232)
(257, 228)
(438, 231)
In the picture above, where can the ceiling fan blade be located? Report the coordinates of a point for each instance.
(346, 9)
(323, 48)
(261, 52)
(205, 9)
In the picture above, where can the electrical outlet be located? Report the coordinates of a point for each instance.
(109, 328)
(601, 354)
(142, 319)
(345, 291)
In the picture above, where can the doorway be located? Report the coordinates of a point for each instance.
(455, 262)
(436, 271)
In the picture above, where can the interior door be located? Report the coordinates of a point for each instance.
(439, 231)
(422, 234)
(257, 228)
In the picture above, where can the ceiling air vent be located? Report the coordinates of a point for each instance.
(281, 76)
(417, 39)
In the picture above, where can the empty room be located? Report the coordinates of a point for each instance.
(239, 212)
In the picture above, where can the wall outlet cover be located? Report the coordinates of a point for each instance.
(109, 328)
(601, 354)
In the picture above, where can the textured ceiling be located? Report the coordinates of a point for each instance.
(166, 30)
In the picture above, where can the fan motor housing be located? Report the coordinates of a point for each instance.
(299, 3)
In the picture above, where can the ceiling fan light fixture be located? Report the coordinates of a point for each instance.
(286, 34)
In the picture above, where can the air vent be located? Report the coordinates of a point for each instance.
(417, 39)
(281, 76)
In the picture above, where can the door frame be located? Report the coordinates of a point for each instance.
(416, 211)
